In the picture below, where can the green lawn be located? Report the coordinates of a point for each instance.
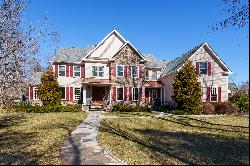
(128, 114)
(177, 140)
(35, 138)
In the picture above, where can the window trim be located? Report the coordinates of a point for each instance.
(122, 93)
(216, 93)
(117, 70)
(98, 66)
(74, 70)
(203, 68)
(152, 71)
(74, 96)
(35, 95)
(133, 96)
(64, 92)
(59, 71)
(131, 69)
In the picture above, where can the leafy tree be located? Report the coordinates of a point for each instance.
(187, 91)
(49, 91)
(241, 100)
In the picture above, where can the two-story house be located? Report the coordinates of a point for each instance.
(115, 71)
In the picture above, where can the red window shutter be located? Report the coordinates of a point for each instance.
(129, 71)
(67, 93)
(125, 93)
(125, 71)
(114, 94)
(56, 70)
(209, 69)
(219, 94)
(140, 71)
(140, 94)
(130, 94)
(71, 93)
(31, 92)
(198, 67)
(71, 70)
(83, 71)
(67, 70)
(114, 70)
(208, 93)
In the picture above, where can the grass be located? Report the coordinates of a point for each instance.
(130, 114)
(178, 140)
(35, 138)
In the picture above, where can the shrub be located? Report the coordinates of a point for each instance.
(178, 112)
(241, 101)
(225, 108)
(47, 108)
(122, 107)
(187, 91)
(49, 91)
(208, 108)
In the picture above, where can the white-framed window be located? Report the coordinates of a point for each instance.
(63, 90)
(154, 75)
(77, 71)
(213, 94)
(35, 94)
(146, 75)
(119, 93)
(135, 94)
(203, 67)
(134, 71)
(97, 71)
(62, 70)
(120, 71)
(77, 93)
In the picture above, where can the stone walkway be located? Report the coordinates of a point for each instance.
(82, 148)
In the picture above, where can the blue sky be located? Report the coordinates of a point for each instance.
(162, 27)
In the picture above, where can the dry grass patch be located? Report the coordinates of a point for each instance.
(178, 140)
(35, 138)
(130, 114)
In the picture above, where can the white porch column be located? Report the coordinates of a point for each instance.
(161, 96)
(84, 94)
(110, 97)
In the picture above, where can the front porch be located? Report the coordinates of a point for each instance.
(154, 93)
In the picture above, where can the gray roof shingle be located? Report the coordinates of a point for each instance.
(71, 55)
(179, 61)
(153, 62)
(36, 78)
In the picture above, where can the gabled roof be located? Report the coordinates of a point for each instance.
(175, 64)
(153, 62)
(113, 41)
(71, 55)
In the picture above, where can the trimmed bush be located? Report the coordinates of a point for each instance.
(47, 108)
(122, 107)
(241, 101)
(208, 108)
(226, 108)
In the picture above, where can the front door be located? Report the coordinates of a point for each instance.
(98, 94)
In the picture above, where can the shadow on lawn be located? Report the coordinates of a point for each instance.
(188, 148)
(13, 148)
(186, 121)
(11, 120)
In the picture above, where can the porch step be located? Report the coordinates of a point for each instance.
(96, 108)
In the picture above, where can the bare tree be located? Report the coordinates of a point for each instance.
(235, 13)
(19, 45)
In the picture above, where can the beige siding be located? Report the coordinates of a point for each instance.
(88, 70)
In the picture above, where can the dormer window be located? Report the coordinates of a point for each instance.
(203, 68)
(154, 75)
